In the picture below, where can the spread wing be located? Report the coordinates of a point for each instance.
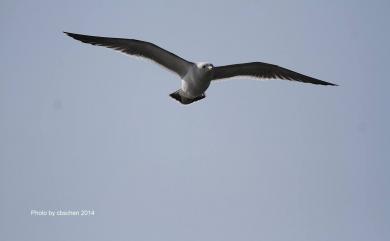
(139, 48)
(263, 70)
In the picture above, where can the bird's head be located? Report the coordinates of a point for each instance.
(204, 66)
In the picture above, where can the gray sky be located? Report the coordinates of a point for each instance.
(83, 127)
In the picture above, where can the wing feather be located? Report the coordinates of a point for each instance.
(263, 71)
(139, 48)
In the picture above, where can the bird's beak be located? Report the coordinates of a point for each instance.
(209, 67)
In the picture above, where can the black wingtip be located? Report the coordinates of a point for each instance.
(321, 82)
(74, 35)
(80, 37)
(70, 34)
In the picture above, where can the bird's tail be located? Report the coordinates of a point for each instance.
(177, 95)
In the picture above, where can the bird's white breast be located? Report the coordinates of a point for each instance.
(195, 82)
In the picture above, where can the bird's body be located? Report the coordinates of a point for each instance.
(197, 80)
(195, 77)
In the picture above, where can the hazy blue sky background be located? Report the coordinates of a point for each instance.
(83, 127)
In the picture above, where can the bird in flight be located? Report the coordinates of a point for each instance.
(195, 77)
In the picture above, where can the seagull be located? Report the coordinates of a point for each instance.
(195, 77)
